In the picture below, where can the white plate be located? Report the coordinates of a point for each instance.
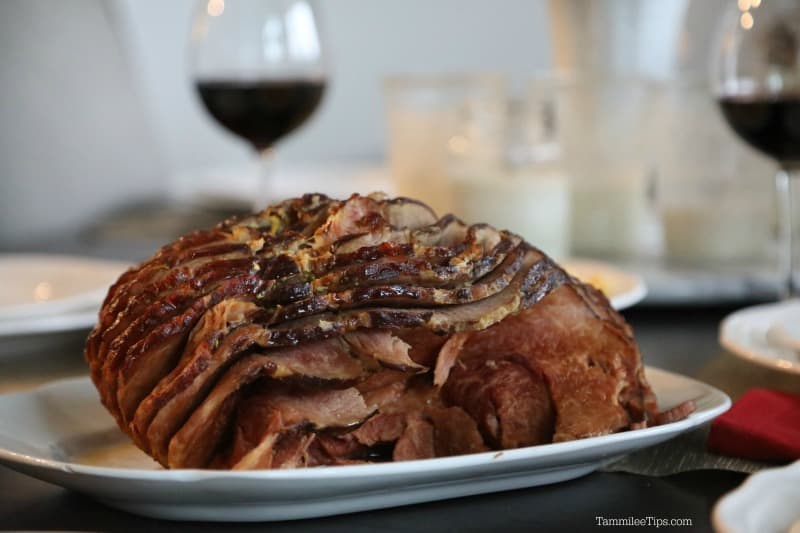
(762, 334)
(767, 502)
(785, 331)
(622, 288)
(61, 434)
(72, 321)
(38, 285)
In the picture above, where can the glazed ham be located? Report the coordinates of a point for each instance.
(326, 332)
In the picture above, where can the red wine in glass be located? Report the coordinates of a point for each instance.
(769, 124)
(260, 69)
(756, 79)
(261, 111)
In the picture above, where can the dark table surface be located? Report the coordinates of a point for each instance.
(574, 505)
(683, 340)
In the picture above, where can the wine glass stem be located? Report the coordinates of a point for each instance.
(783, 184)
(266, 185)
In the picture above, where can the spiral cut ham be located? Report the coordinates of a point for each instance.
(327, 332)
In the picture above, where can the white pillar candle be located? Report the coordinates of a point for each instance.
(534, 204)
(613, 215)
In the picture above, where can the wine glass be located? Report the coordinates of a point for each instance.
(756, 79)
(259, 68)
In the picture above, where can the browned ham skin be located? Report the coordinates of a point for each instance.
(327, 332)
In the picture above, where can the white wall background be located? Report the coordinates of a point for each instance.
(73, 134)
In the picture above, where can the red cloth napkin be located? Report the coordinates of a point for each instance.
(762, 425)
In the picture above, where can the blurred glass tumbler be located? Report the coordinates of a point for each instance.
(613, 214)
(713, 212)
(423, 117)
(607, 132)
(521, 184)
(533, 204)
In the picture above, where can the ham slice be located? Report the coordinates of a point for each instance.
(321, 361)
(510, 402)
(272, 410)
(382, 346)
(586, 362)
(381, 428)
(416, 442)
